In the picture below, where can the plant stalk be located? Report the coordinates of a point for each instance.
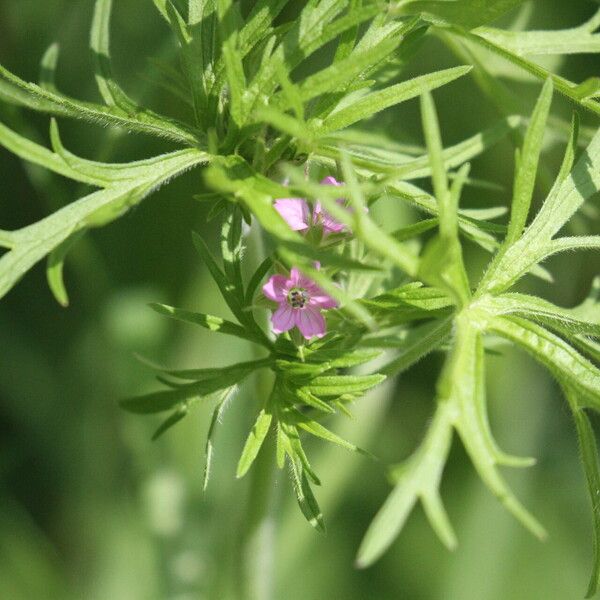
(257, 533)
(255, 552)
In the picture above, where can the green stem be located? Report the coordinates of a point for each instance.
(255, 552)
(6, 239)
(255, 559)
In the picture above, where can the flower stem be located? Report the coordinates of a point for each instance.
(254, 555)
(255, 570)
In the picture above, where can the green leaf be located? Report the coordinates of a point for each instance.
(16, 91)
(304, 494)
(567, 244)
(361, 224)
(107, 174)
(319, 431)
(571, 149)
(231, 285)
(312, 30)
(591, 465)
(462, 385)
(232, 59)
(48, 68)
(546, 313)
(54, 270)
(377, 101)
(170, 421)
(301, 370)
(259, 22)
(575, 40)
(210, 322)
(417, 478)
(111, 93)
(233, 175)
(348, 39)
(165, 400)
(231, 251)
(67, 164)
(39, 155)
(528, 165)
(197, 42)
(214, 422)
(565, 198)
(161, 6)
(564, 362)
(562, 85)
(30, 244)
(284, 123)
(426, 203)
(408, 303)
(407, 167)
(305, 397)
(340, 73)
(243, 368)
(254, 442)
(480, 404)
(337, 359)
(442, 263)
(337, 385)
(589, 309)
(256, 279)
(468, 13)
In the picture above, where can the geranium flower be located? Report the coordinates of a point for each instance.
(320, 215)
(297, 214)
(300, 301)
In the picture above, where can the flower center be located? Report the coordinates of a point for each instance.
(297, 298)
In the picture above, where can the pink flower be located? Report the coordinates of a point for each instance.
(300, 302)
(297, 214)
(330, 225)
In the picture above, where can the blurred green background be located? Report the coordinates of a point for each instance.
(90, 508)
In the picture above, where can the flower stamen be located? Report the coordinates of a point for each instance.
(298, 298)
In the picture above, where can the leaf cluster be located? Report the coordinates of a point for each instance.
(261, 117)
(310, 383)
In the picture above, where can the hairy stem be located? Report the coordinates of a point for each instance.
(257, 531)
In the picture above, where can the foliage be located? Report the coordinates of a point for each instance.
(260, 121)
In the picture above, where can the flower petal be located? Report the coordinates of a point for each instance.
(296, 277)
(329, 180)
(310, 322)
(323, 300)
(319, 297)
(275, 288)
(330, 225)
(283, 318)
(295, 212)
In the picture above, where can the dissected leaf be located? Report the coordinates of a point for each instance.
(255, 440)
(304, 494)
(210, 322)
(378, 101)
(30, 244)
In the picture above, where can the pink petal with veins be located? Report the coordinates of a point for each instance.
(323, 301)
(330, 225)
(310, 322)
(275, 288)
(295, 277)
(295, 212)
(283, 318)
